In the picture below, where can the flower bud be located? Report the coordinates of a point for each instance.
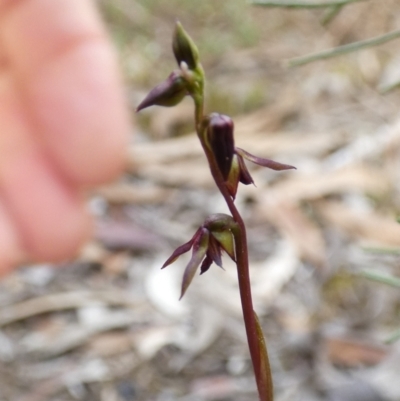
(184, 48)
(168, 93)
(220, 137)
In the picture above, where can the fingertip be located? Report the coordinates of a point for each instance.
(79, 110)
(50, 216)
(66, 70)
(11, 253)
(62, 246)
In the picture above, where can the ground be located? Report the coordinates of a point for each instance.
(108, 326)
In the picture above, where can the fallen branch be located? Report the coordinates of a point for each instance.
(62, 301)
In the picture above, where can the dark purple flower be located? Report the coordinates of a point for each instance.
(207, 244)
(220, 137)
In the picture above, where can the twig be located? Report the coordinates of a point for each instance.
(382, 278)
(75, 335)
(393, 337)
(58, 302)
(337, 51)
(388, 88)
(331, 14)
(302, 4)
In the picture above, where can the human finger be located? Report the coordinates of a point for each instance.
(10, 248)
(47, 212)
(67, 75)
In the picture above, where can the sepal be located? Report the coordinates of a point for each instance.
(207, 262)
(200, 246)
(244, 176)
(181, 250)
(263, 162)
(225, 239)
(232, 182)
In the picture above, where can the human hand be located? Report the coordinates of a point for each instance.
(63, 125)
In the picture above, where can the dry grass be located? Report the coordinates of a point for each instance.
(109, 327)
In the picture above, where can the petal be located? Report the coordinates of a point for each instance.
(214, 251)
(244, 176)
(233, 179)
(207, 262)
(264, 162)
(181, 250)
(225, 239)
(200, 246)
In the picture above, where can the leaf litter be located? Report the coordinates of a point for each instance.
(109, 326)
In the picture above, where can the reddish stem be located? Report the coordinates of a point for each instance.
(264, 384)
(242, 263)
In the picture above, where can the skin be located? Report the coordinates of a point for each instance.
(64, 125)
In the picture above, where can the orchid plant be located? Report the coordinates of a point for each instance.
(220, 232)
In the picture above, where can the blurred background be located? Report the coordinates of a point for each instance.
(324, 239)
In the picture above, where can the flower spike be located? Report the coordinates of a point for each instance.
(219, 232)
